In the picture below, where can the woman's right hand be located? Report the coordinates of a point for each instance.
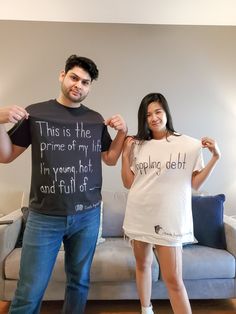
(128, 146)
(127, 156)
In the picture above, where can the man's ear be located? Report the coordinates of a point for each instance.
(62, 76)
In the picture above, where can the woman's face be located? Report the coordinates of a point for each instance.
(156, 118)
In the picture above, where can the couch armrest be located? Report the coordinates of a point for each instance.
(230, 234)
(9, 233)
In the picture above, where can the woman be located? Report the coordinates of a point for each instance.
(160, 167)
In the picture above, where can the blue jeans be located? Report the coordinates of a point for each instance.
(41, 243)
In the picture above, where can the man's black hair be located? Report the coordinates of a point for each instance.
(85, 63)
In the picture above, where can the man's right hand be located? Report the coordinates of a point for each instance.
(12, 114)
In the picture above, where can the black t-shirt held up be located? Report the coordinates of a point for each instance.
(66, 156)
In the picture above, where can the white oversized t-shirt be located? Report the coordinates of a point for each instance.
(159, 207)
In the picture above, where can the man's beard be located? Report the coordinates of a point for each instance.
(75, 99)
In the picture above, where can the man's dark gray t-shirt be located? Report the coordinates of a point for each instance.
(66, 156)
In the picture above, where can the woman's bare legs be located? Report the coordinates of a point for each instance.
(170, 260)
(144, 255)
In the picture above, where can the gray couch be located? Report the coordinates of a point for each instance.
(208, 273)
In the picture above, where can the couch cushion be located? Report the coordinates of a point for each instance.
(113, 261)
(12, 266)
(201, 262)
(100, 238)
(114, 204)
(208, 212)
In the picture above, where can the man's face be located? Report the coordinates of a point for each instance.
(75, 85)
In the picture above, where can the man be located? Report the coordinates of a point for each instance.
(68, 142)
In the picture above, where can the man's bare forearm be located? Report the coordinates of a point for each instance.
(112, 155)
(12, 114)
(5, 145)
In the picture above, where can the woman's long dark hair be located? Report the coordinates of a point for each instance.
(144, 133)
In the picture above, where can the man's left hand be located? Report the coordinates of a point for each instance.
(117, 122)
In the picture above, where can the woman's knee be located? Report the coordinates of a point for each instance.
(143, 264)
(174, 282)
(143, 255)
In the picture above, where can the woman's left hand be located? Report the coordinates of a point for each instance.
(211, 144)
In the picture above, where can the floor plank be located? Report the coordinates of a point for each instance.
(132, 307)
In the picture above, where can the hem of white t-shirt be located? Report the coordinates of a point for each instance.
(151, 240)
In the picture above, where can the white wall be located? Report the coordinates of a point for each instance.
(184, 12)
(193, 66)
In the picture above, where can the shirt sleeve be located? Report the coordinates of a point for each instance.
(133, 155)
(199, 164)
(106, 139)
(20, 133)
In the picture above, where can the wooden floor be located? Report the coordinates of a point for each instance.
(132, 307)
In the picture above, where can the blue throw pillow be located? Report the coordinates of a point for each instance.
(208, 214)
